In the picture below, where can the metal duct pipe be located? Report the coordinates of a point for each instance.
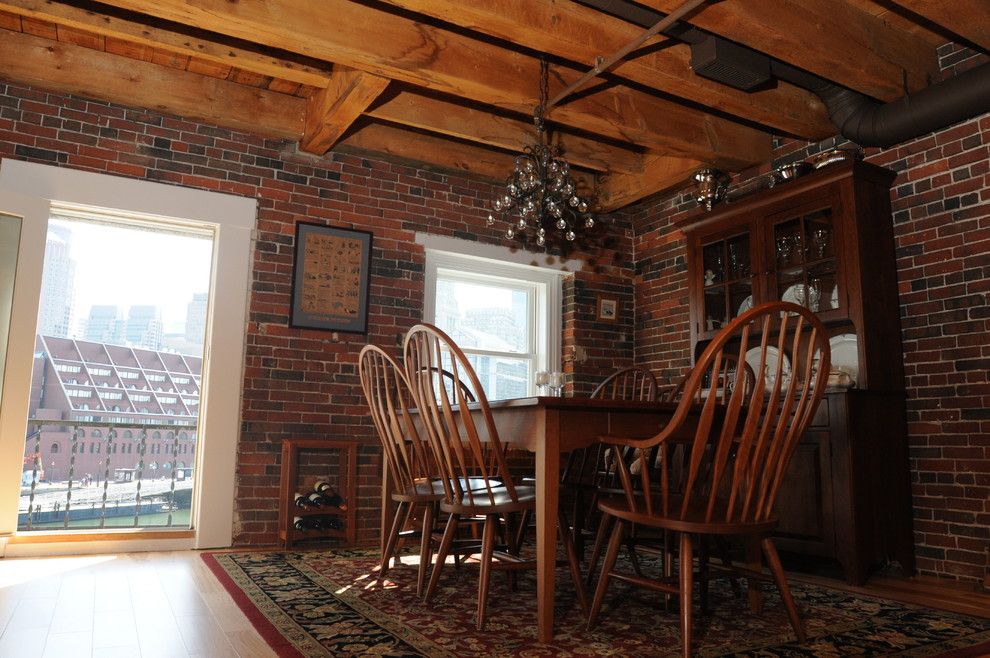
(871, 123)
(856, 116)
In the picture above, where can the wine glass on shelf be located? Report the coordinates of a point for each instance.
(784, 246)
(820, 241)
(541, 379)
(556, 383)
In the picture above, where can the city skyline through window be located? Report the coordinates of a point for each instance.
(125, 284)
(118, 361)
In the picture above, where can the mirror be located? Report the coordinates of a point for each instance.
(10, 233)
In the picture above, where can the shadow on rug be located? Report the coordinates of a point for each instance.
(330, 604)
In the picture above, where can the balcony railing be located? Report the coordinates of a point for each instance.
(60, 491)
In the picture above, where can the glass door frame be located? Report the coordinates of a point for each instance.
(28, 190)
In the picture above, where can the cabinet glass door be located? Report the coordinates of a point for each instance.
(727, 280)
(805, 258)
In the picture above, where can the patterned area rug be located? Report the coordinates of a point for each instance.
(330, 604)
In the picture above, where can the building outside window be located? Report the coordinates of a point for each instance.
(505, 317)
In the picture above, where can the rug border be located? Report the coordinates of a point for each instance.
(976, 651)
(276, 640)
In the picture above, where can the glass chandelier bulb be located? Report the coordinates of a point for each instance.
(490, 219)
(561, 224)
(506, 200)
(554, 166)
(513, 189)
(570, 236)
(497, 205)
(589, 222)
(541, 232)
(540, 240)
(569, 188)
(510, 233)
(573, 201)
(521, 224)
(564, 167)
(582, 207)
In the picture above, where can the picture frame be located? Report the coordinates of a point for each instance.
(331, 278)
(608, 309)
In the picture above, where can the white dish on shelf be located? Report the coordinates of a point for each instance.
(845, 354)
(745, 306)
(770, 370)
(802, 295)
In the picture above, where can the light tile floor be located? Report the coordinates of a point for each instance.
(134, 605)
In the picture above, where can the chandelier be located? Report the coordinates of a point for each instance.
(540, 198)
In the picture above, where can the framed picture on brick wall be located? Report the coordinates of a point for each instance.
(608, 309)
(331, 278)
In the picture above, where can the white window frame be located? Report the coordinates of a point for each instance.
(30, 190)
(470, 261)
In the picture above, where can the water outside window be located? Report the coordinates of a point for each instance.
(112, 431)
(493, 322)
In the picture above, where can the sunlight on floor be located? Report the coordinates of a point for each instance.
(15, 571)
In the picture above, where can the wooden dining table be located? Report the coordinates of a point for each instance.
(549, 427)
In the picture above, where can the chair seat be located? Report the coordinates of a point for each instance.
(498, 502)
(693, 521)
(432, 490)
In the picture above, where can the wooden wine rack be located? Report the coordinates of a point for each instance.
(346, 486)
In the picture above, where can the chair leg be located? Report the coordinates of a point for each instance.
(573, 563)
(487, 548)
(754, 562)
(596, 552)
(785, 590)
(703, 573)
(445, 542)
(396, 556)
(723, 550)
(668, 563)
(398, 521)
(521, 531)
(425, 547)
(610, 556)
(687, 576)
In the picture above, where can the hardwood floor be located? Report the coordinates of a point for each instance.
(158, 605)
(148, 605)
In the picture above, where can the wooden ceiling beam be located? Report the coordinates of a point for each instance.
(659, 175)
(167, 40)
(580, 34)
(428, 151)
(417, 110)
(331, 111)
(61, 67)
(832, 39)
(370, 39)
(970, 19)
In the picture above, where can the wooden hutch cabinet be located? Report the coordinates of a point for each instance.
(824, 241)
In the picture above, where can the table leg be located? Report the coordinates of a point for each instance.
(547, 490)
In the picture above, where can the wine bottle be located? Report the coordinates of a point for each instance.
(302, 501)
(315, 499)
(302, 523)
(330, 522)
(329, 495)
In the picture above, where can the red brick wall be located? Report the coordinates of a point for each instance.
(941, 215)
(303, 383)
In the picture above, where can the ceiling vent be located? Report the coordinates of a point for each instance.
(729, 63)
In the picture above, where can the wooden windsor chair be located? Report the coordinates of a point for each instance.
(588, 469)
(739, 452)
(468, 445)
(410, 460)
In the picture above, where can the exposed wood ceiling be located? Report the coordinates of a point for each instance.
(453, 83)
